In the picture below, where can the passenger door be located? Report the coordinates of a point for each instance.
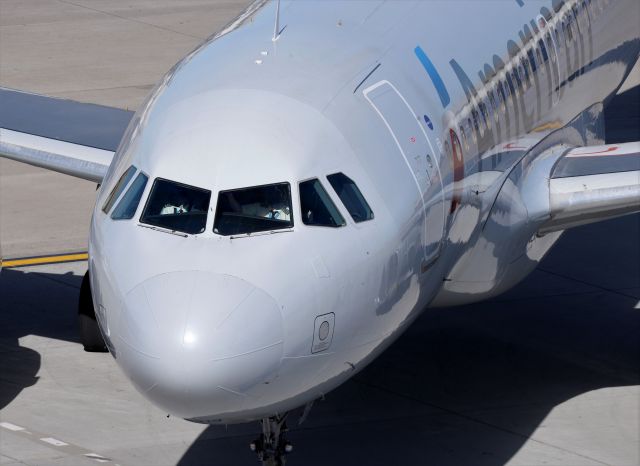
(418, 154)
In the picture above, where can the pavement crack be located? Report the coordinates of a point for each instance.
(114, 15)
(61, 282)
(584, 282)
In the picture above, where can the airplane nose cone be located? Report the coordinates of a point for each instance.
(199, 344)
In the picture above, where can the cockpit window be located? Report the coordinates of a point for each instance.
(251, 210)
(128, 205)
(317, 207)
(351, 197)
(177, 207)
(118, 188)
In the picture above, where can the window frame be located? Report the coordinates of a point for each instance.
(317, 178)
(113, 196)
(531, 57)
(484, 111)
(494, 103)
(364, 199)
(129, 186)
(474, 134)
(148, 199)
(463, 135)
(262, 232)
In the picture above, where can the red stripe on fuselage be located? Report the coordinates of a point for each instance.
(458, 169)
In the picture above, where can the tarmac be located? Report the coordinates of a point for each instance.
(106, 52)
(549, 373)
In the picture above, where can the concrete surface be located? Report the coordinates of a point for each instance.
(42, 212)
(106, 52)
(547, 374)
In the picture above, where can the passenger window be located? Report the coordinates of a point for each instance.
(532, 60)
(351, 197)
(474, 134)
(569, 28)
(510, 86)
(317, 207)
(578, 22)
(502, 96)
(255, 209)
(550, 47)
(540, 60)
(177, 207)
(524, 67)
(584, 19)
(118, 188)
(128, 205)
(543, 49)
(494, 104)
(476, 122)
(558, 34)
(517, 79)
(485, 114)
(465, 141)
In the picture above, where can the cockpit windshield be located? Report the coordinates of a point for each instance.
(118, 188)
(177, 207)
(317, 207)
(255, 209)
(128, 205)
(351, 197)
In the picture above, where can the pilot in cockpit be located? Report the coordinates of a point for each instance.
(278, 205)
(177, 204)
(269, 202)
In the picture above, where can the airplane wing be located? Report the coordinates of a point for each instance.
(69, 137)
(76, 160)
(590, 184)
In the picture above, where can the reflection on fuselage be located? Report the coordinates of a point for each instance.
(515, 99)
(222, 323)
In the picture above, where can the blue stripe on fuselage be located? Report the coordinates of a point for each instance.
(434, 75)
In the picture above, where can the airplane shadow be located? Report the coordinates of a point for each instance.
(22, 313)
(622, 117)
(470, 385)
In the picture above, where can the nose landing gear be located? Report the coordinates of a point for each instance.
(90, 335)
(272, 446)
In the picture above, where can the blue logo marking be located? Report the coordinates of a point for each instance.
(434, 75)
(427, 120)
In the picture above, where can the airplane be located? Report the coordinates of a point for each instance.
(301, 187)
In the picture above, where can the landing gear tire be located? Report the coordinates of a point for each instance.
(90, 335)
(271, 447)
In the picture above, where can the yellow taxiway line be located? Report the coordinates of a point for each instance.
(27, 261)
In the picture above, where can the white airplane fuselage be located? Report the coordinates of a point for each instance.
(435, 110)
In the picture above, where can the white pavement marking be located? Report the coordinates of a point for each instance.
(70, 449)
(9, 426)
(98, 458)
(55, 442)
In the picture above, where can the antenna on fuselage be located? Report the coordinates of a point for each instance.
(276, 28)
